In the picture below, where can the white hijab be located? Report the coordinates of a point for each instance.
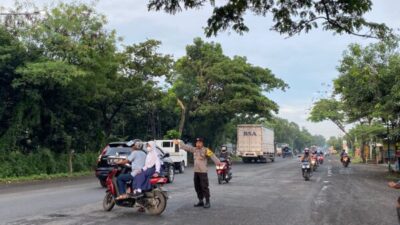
(154, 150)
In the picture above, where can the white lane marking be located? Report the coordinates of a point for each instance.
(329, 170)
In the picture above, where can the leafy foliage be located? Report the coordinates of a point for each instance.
(214, 89)
(289, 17)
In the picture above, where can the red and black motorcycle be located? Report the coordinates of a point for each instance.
(153, 201)
(314, 162)
(320, 158)
(224, 171)
(345, 160)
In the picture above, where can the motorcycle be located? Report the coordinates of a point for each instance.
(306, 170)
(314, 163)
(153, 201)
(345, 161)
(223, 171)
(320, 159)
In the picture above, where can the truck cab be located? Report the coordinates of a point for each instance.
(178, 156)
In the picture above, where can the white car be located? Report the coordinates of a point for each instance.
(178, 156)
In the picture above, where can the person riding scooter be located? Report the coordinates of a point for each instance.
(225, 156)
(306, 156)
(136, 159)
(344, 154)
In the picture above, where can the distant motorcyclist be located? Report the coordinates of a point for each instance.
(226, 156)
(343, 154)
(306, 156)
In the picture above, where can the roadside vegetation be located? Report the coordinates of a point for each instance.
(366, 95)
(69, 86)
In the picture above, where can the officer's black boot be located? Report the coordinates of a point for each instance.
(200, 203)
(207, 205)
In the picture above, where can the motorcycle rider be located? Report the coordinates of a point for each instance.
(343, 154)
(306, 157)
(200, 155)
(136, 159)
(224, 154)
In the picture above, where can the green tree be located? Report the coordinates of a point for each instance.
(336, 143)
(289, 17)
(214, 89)
(328, 109)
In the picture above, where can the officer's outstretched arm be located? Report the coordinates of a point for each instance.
(184, 147)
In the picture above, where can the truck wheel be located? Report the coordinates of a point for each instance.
(181, 167)
(263, 160)
(244, 160)
(273, 160)
(171, 174)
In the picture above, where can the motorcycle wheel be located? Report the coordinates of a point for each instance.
(226, 178)
(306, 176)
(219, 179)
(182, 167)
(158, 205)
(108, 202)
(103, 183)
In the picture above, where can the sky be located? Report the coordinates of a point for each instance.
(306, 62)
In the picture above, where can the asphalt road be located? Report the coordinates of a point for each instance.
(272, 193)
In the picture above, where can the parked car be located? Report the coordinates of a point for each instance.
(121, 149)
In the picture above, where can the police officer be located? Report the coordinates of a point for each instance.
(200, 155)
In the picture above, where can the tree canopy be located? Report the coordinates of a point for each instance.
(289, 17)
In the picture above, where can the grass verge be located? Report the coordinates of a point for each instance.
(393, 176)
(11, 180)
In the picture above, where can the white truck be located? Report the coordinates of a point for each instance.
(255, 143)
(178, 156)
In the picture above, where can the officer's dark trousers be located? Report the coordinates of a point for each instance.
(201, 186)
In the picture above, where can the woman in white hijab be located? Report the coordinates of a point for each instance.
(151, 168)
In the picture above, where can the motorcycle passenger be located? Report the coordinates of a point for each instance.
(151, 168)
(136, 159)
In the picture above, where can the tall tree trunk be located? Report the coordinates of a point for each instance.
(183, 117)
(362, 150)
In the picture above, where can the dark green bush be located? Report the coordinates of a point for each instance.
(43, 161)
